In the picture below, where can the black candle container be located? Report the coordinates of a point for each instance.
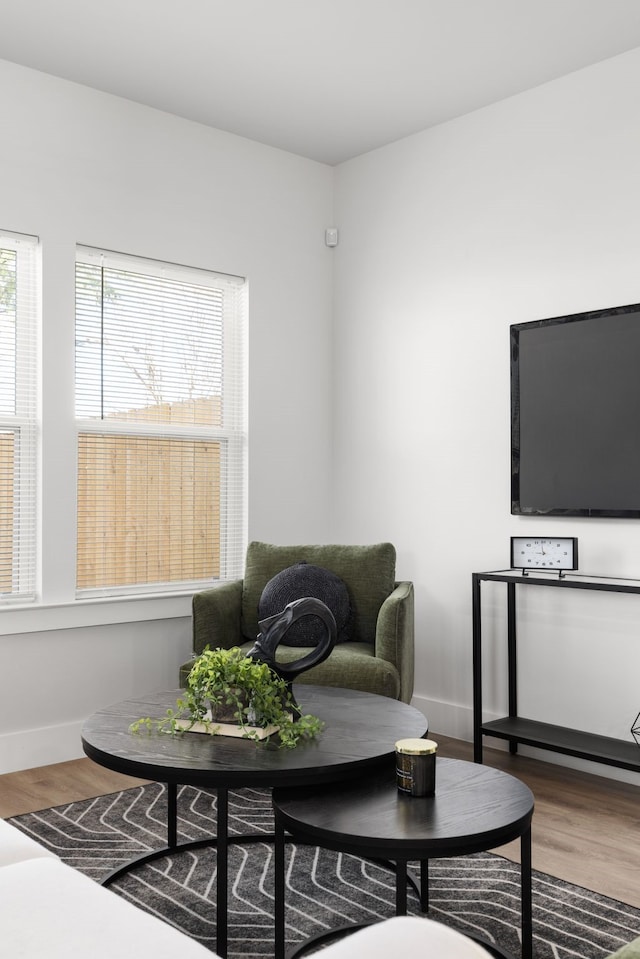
(416, 766)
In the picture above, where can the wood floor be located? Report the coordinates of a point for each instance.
(586, 829)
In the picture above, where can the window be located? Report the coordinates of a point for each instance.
(161, 425)
(18, 410)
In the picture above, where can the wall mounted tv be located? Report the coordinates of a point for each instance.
(575, 414)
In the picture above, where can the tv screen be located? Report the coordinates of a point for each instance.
(575, 414)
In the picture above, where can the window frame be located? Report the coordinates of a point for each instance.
(231, 434)
(24, 422)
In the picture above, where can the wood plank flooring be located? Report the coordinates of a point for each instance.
(586, 829)
(45, 786)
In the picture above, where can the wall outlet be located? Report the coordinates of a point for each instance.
(331, 236)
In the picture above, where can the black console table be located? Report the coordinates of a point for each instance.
(515, 729)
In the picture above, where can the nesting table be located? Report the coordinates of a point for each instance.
(359, 736)
(475, 808)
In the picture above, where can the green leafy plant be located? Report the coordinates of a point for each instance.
(246, 692)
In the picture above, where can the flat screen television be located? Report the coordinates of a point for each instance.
(575, 414)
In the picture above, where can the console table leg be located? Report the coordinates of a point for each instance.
(477, 670)
(525, 880)
(222, 876)
(512, 659)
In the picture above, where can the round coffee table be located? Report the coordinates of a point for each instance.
(475, 808)
(359, 735)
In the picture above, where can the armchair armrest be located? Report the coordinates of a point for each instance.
(216, 616)
(395, 635)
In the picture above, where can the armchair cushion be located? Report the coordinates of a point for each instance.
(368, 572)
(296, 582)
(350, 665)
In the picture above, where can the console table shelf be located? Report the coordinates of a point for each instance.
(562, 739)
(514, 728)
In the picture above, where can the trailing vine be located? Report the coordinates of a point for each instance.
(250, 691)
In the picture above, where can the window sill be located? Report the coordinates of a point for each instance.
(93, 612)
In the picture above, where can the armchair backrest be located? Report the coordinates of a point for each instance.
(368, 572)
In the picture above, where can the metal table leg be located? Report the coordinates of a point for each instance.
(526, 905)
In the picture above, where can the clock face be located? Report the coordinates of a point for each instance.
(544, 553)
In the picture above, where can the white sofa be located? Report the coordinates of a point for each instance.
(51, 911)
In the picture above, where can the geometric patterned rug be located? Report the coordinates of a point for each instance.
(477, 894)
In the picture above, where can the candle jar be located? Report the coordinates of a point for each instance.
(416, 766)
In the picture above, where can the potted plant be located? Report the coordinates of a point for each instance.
(225, 685)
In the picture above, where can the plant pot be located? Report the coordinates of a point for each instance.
(224, 712)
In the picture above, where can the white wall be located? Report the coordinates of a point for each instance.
(78, 166)
(524, 210)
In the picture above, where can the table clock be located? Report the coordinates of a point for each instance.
(544, 553)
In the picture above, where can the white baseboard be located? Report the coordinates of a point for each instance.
(457, 721)
(446, 718)
(29, 748)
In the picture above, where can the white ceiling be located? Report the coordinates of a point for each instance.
(326, 79)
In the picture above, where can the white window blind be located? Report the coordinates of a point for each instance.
(160, 403)
(19, 283)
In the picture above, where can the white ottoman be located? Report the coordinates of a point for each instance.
(406, 936)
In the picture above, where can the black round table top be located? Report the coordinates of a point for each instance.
(360, 733)
(474, 808)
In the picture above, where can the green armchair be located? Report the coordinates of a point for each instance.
(379, 655)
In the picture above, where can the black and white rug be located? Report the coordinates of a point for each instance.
(475, 894)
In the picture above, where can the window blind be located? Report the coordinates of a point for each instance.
(160, 403)
(19, 295)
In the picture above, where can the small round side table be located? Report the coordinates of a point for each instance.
(475, 808)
